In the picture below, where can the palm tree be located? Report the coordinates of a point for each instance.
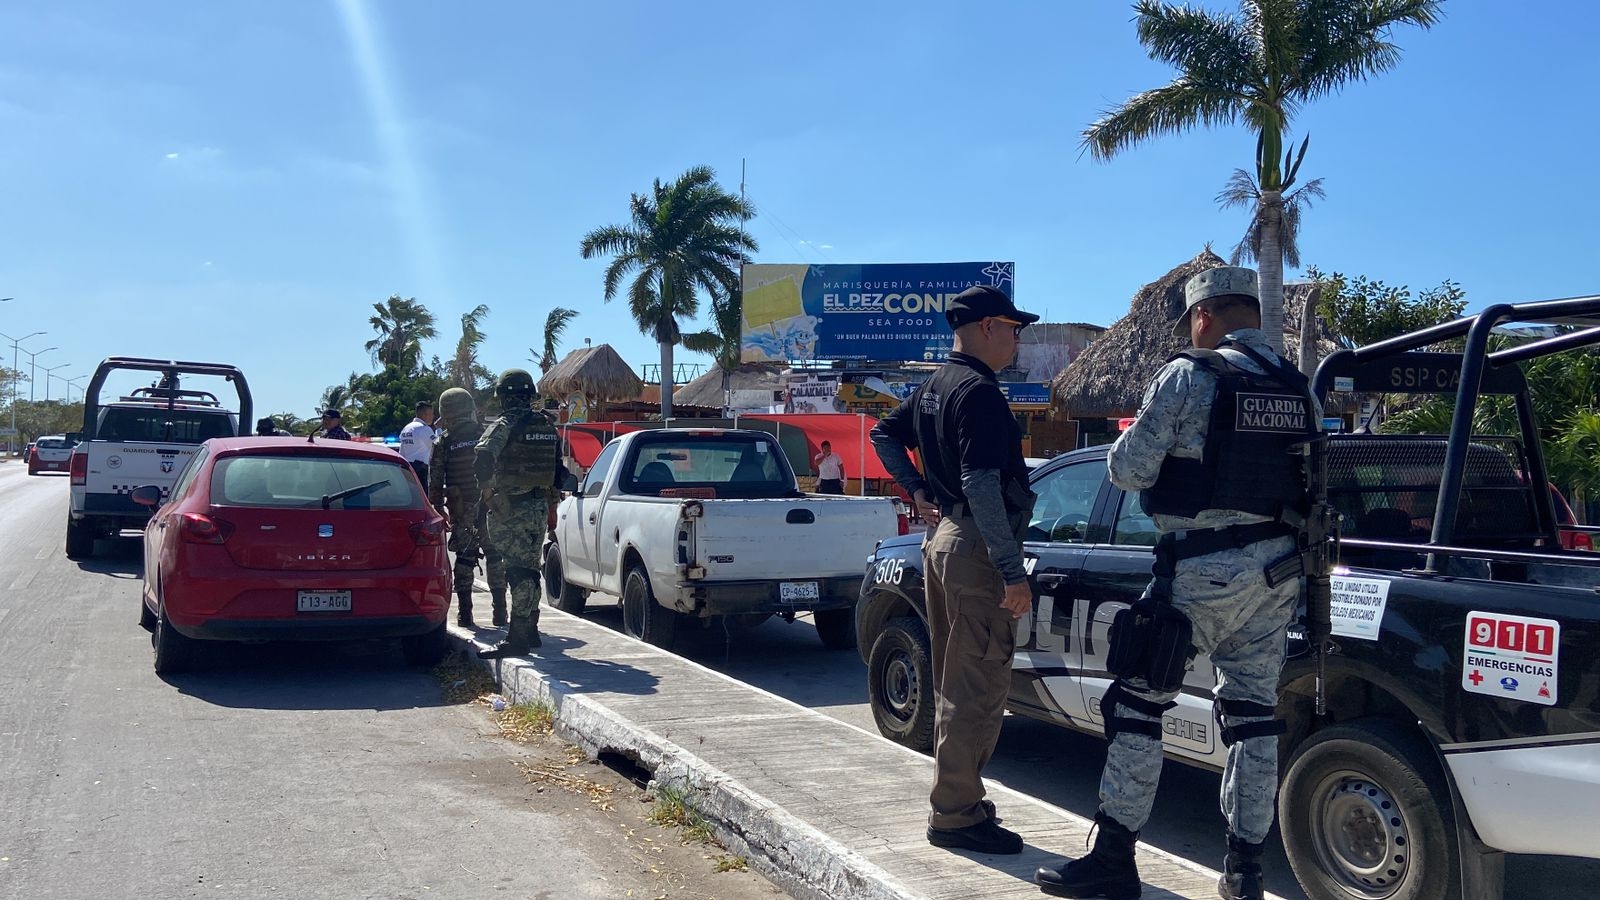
(683, 237)
(402, 325)
(555, 326)
(1259, 66)
(464, 368)
(1242, 190)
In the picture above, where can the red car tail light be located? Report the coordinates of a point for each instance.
(429, 533)
(196, 528)
(79, 468)
(1582, 541)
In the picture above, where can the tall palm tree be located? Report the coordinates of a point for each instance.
(683, 237)
(1242, 190)
(402, 325)
(1259, 66)
(555, 327)
(464, 367)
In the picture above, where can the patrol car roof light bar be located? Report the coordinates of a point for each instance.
(169, 369)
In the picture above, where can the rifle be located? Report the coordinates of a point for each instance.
(1319, 552)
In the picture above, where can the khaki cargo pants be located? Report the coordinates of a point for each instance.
(973, 639)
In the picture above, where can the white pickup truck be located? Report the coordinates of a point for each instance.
(694, 524)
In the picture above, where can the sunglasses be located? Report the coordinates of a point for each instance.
(1016, 327)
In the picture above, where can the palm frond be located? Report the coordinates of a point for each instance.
(1173, 109)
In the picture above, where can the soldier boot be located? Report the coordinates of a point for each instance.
(1241, 871)
(498, 606)
(523, 636)
(464, 608)
(1108, 871)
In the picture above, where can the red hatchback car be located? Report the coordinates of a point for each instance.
(278, 538)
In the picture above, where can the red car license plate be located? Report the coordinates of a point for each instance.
(323, 601)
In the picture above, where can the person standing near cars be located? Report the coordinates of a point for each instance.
(416, 440)
(975, 485)
(830, 470)
(453, 489)
(333, 425)
(517, 464)
(1213, 452)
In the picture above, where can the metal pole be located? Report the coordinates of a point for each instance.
(50, 373)
(15, 342)
(33, 368)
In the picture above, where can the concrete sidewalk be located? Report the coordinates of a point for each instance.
(823, 809)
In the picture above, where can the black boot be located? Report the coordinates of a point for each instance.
(1241, 871)
(1108, 871)
(519, 640)
(464, 609)
(498, 606)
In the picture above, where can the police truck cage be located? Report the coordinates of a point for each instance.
(168, 387)
(1472, 496)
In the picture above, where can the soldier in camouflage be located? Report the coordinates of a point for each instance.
(517, 463)
(453, 489)
(1177, 453)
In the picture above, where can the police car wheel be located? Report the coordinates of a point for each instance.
(642, 616)
(80, 538)
(900, 683)
(1365, 813)
(557, 592)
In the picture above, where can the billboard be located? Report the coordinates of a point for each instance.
(889, 311)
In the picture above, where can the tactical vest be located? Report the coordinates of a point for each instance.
(1249, 461)
(531, 455)
(460, 443)
(937, 402)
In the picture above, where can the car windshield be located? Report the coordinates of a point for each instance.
(303, 481)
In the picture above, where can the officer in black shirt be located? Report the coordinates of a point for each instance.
(975, 486)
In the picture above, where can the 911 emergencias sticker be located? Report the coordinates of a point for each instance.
(1515, 657)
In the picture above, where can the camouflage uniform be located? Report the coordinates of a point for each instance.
(1239, 621)
(518, 457)
(453, 486)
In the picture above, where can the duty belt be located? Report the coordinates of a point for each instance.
(1206, 541)
(958, 509)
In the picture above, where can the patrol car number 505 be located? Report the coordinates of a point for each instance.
(889, 571)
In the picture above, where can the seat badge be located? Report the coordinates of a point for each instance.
(324, 531)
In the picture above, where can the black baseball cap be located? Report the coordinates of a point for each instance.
(981, 302)
(333, 413)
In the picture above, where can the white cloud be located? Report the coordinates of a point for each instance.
(172, 156)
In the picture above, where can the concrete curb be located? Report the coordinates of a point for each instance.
(791, 853)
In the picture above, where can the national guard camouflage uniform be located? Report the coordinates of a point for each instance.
(453, 486)
(518, 458)
(1237, 619)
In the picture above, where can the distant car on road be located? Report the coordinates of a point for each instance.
(279, 538)
(52, 453)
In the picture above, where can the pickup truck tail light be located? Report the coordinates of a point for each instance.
(1582, 541)
(902, 518)
(196, 528)
(79, 468)
(429, 533)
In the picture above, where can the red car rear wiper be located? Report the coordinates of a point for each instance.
(327, 499)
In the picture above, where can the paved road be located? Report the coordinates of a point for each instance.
(1054, 764)
(311, 771)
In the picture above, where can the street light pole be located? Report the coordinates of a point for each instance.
(14, 373)
(33, 368)
(73, 383)
(48, 375)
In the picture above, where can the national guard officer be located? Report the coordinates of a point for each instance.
(453, 488)
(975, 485)
(517, 463)
(1213, 452)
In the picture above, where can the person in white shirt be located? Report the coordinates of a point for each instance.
(830, 471)
(416, 440)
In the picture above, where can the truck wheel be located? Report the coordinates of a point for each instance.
(1365, 813)
(836, 627)
(557, 592)
(80, 538)
(174, 652)
(642, 616)
(425, 649)
(900, 683)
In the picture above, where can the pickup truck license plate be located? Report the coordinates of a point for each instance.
(791, 591)
(324, 601)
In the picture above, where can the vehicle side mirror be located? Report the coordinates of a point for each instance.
(147, 495)
(74, 437)
(567, 481)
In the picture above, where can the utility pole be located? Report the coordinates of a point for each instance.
(48, 376)
(33, 368)
(10, 441)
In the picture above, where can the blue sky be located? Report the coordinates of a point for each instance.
(240, 181)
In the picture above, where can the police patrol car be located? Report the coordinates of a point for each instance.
(138, 439)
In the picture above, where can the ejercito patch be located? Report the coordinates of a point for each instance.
(1274, 413)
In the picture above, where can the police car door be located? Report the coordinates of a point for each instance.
(1048, 645)
(1114, 579)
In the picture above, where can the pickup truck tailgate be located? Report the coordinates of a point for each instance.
(773, 540)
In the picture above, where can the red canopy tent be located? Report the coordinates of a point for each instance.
(585, 440)
(847, 432)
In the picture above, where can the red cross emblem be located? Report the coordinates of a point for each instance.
(1475, 678)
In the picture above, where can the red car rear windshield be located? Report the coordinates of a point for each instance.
(300, 481)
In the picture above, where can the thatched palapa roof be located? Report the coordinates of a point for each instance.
(1107, 380)
(597, 372)
(706, 391)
